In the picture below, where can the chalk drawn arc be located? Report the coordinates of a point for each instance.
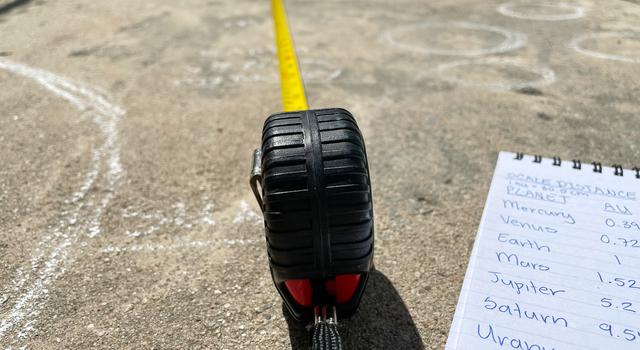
(577, 45)
(511, 40)
(81, 212)
(567, 11)
(547, 76)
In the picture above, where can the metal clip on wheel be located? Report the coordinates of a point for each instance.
(316, 200)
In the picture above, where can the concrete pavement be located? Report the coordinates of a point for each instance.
(126, 219)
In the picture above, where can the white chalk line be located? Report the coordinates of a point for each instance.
(317, 75)
(184, 218)
(512, 40)
(151, 247)
(53, 253)
(181, 220)
(237, 66)
(547, 76)
(510, 9)
(576, 43)
(246, 214)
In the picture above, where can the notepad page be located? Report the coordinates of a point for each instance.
(556, 261)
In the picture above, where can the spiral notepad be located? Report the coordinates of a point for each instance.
(556, 261)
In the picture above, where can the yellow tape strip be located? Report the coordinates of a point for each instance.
(293, 96)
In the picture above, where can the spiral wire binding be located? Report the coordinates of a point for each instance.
(618, 170)
(597, 167)
(577, 164)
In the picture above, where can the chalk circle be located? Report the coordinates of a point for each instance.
(511, 40)
(532, 76)
(541, 11)
(316, 70)
(577, 45)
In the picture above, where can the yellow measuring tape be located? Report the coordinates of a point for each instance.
(293, 96)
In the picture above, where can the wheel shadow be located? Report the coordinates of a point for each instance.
(381, 322)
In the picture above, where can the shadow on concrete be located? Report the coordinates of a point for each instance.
(382, 322)
(7, 6)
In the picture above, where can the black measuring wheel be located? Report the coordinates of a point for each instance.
(318, 211)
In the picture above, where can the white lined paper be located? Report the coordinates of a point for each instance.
(556, 261)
